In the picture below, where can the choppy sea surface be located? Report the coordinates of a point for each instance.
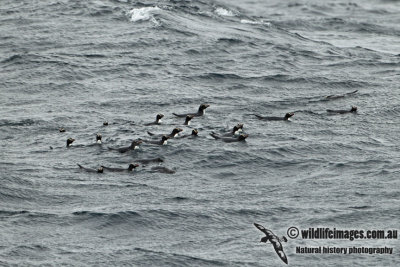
(77, 64)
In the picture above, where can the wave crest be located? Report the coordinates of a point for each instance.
(143, 14)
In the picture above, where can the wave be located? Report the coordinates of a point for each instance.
(144, 14)
(224, 12)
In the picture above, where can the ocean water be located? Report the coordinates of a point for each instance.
(77, 64)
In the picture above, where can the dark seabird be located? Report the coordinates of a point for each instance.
(193, 134)
(174, 132)
(235, 130)
(158, 120)
(134, 144)
(70, 141)
(130, 168)
(188, 119)
(200, 112)
(285, 118)
(99, 170)
(342, 111)
(241, 137)
(163, 141)
(274, 240)
(98, 138)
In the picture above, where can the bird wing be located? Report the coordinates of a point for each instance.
(281, 254)
(261, 228)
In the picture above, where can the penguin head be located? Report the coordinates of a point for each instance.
(136, 143)
(105, 123)
(195, 132)
(159, 116)
(70, 141)
(188, 118)
(242, 137)
(62, 130)
(98, 138)
(100, 170)
(176, 131)
(288, 115)
(237, 127)
(133, 166)
(353, 109)
(203, 107)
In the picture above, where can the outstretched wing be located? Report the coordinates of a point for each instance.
(281, 254)
(261, 228)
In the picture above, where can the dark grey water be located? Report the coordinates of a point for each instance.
(76, 64)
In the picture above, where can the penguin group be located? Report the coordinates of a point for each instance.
(233, 135)
(154, 139)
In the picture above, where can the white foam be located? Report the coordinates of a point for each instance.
(143, 13)
(246, 21)
(224, 12)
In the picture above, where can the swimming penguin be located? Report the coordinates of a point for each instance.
(241, 137)
(200, 112)
(162, 170)
(62, 130)
(332, 97)
(193, 134)
(98, 138)
(105, 123)
(274, 240)
(163, 141)
(134, 144)
(285, 118)
(70, 141)
(174, 132)
(235, 130)
(99, 170)
(158, 120)
(188, 119)
(130, 168)
(341, 111)
(148, 161)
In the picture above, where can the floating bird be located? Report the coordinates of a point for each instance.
(134, 144)
(163, 141)
(174, 132)
(158, 120)
(267, 118)
(342, 111)
(200, 112)
(98, 138)
(99, 170)
(188, 119)
(70, 141)
(130, 168)
(241, 137)
(235, 130)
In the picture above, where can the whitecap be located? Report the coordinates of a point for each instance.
(143, 13)
(224, 12)
(246, 21)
